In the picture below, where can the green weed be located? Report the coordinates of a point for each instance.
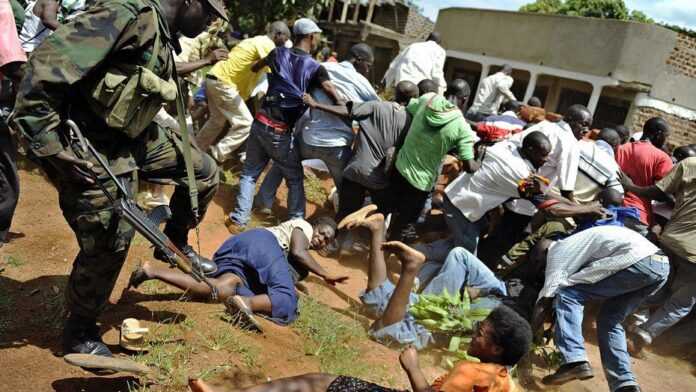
(314, 190)
(14, 261)
(332, 339)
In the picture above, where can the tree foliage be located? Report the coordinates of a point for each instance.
(606, 9)
(252, 16)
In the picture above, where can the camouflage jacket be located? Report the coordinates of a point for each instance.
(65, 68)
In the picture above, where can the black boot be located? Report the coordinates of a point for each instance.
(207, 266)
(81, 336)
(569, 372)
(629, 388)
(179, 238)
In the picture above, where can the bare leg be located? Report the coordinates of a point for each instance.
(312, 382)
(226, 283)
(377, 272)
(411, 262)
(259, 303)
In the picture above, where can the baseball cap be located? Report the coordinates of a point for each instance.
(304, 26)
(219, 9)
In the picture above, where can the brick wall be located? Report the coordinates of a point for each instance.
(683, 57)
(683, 130)
(418, 26)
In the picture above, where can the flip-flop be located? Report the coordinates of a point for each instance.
(90, 361)
(237, 307)
(132, 336)
(357, 216)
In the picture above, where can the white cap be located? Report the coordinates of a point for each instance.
(305, 26)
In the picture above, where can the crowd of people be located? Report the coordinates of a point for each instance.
(539, 213)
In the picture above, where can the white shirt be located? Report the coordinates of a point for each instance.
(491, 92)
(283, 232)
(593, 255)
(34, 32)
(496, 181)
(323, 129)
(596, 170)
(562, 167)
(419, 61)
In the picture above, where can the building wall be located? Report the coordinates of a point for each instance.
(418, 26)
(682, 60)
(683, 130)
(627, 51)
(392, 17)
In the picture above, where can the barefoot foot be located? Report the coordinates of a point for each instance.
(411, 259)
(139, 275)
(351, 221)
(198, 385)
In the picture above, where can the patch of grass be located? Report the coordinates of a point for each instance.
(332, 339)
(14, 261)
(314, 190)
(207, 373)
(152, 287)
(235, 341)
(169, 355)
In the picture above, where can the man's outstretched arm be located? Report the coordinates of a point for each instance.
(409, 362)
(648, 192)
(337, 110)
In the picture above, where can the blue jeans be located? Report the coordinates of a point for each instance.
(265, 144)
(335, 158)
(622, 293)
(463, 233)
(682, 299)
(460, 269)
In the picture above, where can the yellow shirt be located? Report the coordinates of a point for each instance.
(236, 70)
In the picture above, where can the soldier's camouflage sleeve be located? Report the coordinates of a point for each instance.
(64, 59)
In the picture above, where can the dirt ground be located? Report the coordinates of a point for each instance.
(34, 269)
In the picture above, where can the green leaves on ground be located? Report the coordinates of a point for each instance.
(449, 315)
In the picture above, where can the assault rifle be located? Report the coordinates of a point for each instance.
(147, 226)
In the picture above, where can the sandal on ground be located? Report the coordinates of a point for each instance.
(238, 308)
(90, 361)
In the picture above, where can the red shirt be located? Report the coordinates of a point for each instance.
(645, 164)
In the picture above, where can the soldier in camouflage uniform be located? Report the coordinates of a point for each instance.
(59, 78)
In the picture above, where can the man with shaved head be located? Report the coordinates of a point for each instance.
(419, 61)
(229, 84)
(383, 125)
(492, 91)
(504, 166)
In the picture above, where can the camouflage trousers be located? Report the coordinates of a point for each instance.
(104, 238)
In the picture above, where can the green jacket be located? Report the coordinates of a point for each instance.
(63, 71)
(437, 127)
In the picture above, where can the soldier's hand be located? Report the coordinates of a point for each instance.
(72, 168)
(217, 55)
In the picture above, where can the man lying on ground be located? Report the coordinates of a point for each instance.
(499, 341)
(257, 269)
(390, 304)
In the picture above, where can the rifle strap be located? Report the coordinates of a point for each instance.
(186, 148)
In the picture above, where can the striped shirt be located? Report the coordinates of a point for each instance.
(593, 255)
